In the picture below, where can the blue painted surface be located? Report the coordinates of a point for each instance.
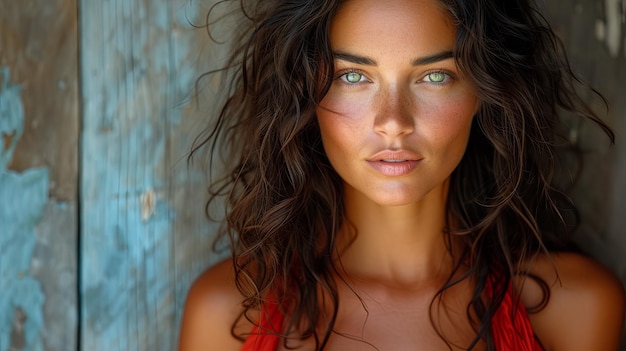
(11, 116)
(134, 78)
(22, 200)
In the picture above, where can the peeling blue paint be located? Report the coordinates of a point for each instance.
(22, 201)
(133, 84)
(11, 116)
(137, 58)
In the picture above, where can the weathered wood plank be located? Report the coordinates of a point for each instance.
(38, 173)
(594, 33)
(144, 234)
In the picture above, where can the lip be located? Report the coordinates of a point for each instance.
(394, 163)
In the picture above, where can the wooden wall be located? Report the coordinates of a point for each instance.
(594, 33)
(101, 219)
(143, 233)
(38, 175)
(96, 124)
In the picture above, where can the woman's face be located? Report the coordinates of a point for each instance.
(396, 120)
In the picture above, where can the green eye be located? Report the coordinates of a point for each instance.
(353, 77)
(437, 77)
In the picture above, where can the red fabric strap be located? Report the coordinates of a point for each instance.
(511, 328)
(264, 336)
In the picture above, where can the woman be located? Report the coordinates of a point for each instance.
(393, 189)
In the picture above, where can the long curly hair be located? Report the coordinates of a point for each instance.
(284, 201)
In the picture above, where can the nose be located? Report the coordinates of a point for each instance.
(395, 116)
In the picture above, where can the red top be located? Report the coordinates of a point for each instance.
(509, 333)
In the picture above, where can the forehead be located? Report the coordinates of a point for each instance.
(393, 25)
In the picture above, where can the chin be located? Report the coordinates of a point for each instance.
(403, 199)
(408, 195)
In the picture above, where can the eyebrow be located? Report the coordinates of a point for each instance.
(420, 61)
(444, 55)
(360, 60)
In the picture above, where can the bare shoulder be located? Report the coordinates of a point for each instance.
(213, 304)
(585, 310)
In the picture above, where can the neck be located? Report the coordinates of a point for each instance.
(399, 245)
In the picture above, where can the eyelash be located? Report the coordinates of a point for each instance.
(448, 77)
(344, 73)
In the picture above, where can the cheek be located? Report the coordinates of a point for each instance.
(347, 106)
(448, 116)
(335, 130)
(457, 123)
(342, 119)
(447, 126)
(327, 122)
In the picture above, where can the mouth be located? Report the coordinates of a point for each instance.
(394, 168)
(394, 163)
(394, 156)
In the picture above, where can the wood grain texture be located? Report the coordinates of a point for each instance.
(594, 33)
(600, 60)
(38, 223)
(144, 233)
(39, 43)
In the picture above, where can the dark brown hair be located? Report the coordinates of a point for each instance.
(284, 200)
